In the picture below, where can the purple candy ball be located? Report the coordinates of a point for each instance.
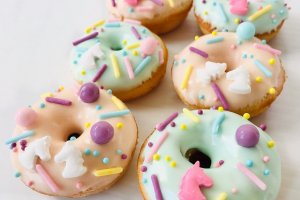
(89, 93)
(102, 132)
(247, 136)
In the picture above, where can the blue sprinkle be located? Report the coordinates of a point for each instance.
(109, 91)
(79, 55)
(251, 56)
(112, 25)
(124, 53)
(281, 12)
(75, 62)
(144, 31)
(17, 174)
(119, 152)
(175, 62)
(214, 3)
(244, 56)
(145, 180)
(130, 10)
(105, 160)
(183, 60)
(266, 172)
(19, 137)
(222, 11)
(274, 21)
(201, 96)
(114, 114)
(217, 123)
(98, 107)
(96, 153)
(249, 163)
(146, 61)
(264, 41)
(264, 69)
(42, 105)
(239, 42)
(87, 152)
(214, 40)
(73, 138)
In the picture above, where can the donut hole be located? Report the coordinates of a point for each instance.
(114, 42)
(193, 155)
(232, 62)
(74, 133)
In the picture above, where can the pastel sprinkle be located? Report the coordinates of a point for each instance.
(87, 125)
(252, 177)
(156, 187)
(173, 164)
(100, 73)
(222, 196)
(264, 69)
(133, 46)
(260, 13)
(268, 49)
(266, 172)
(249, 163)
(115, 65)
(214, 40)
(171, 3)
(266, 159)
(96, 25)
(258, 79)
(168, 158)
(271, 144)
(17, 174)
(47, 178)
(88, 37)
(191, 115)
(58, 101)
(183, 127)
(107, 172)
(220, 96)
(96, 153)
(79, 185)
(87, 152)
(119, 125)
(272, 91)
(187, 75)
(135, 33)
(158, 2)
(222, 11)
(105, 160)
(199, 52)
(272, 61)
(165, 123)
(19, 137)
(146, 61)
(112, 25)
(129, 67)
(132, 21)
(118, 103)
(114, 114)
(156, 157)
(217, 123)
(98, 107)
(246, 115)
(157, 145)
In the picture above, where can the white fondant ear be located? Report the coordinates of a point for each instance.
(241, 81)
(88, 58)
(212, 71)
(38, 148)
(72, 156)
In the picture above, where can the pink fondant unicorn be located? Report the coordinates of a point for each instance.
(191, 182)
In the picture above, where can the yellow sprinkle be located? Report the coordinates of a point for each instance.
(220, 109)
(236, 20)
(115, 65)
(110, 171)
(197, 37)
(246, 116)
(173, 164)
(47, 94)
(133, 46)
(156, 157)
(171, 3)
(258, 79)
(88, 29)
(83, 72)
(183, 126)
(214, 33)
(272, 61)
(124, 42)
(118, 103)
(97, 24)
(135, 53)
(119, 125)
(205, 13)
(222, 196)
(272, 91)
(259, 13)
(168, 158)
(191, 115)
(61, 88)
(87, 125)
(187, 77)
(271, 144)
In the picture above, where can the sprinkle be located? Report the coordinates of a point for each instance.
(161, 57)
(113, 2)
(214, 40)
(165, 123)
(197, 37)
(264, 69)
(156, 187)
(96, 25)
(237, 20)
(114, 114)
(79, 185)
(17, 174)
(171, 3)
(191, 115)
(268, 49)
(220, 96)
(214, 33)
(132, 21)
(96, 153)
(107, 172)
(142, 65)
(249, 163)
(234, 190)
(119, 152)
(266, 159)
(168, 158)
(133, 46)
(123, 156)
(199, 52)
(259, 183)
(220, 109)
(183, 126)
(19, 137)
(88, 37)
(272, 91)
(221, 10)
(258, 79)
(143, 169)
(158, 2)
(47, 178)
(222, 196)
(98, 107)
(135, 53)
(145, 8)
(105, 160)
(246, 115)
(135, 33)
(115, 65)
(173, 164)
(112, 25)
(87, 125)
(129, 67)
(118, 103)
(156, 157)
(119, 125)
(100, 73)
(266, 172)
(83, 72)
(259, 13)
(272, 61)
(58, 101)
(42, 105)
(187, 77)
(87, 152)
(157, 145)
(217, 123)
(271, 144)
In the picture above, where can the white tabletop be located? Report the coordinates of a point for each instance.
(35, 41)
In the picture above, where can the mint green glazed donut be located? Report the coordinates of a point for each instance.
(238, 161)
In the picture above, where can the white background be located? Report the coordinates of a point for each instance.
(35, 41)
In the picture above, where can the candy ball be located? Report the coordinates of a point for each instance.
(102, 132)
(245, 31)
(89, 93)
(148, 46)
(247, 136)
(26, 117)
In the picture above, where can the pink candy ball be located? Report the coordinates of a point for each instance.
(148, 46)
(26, 117)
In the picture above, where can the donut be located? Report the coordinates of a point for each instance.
(236, 71)
(160, 16)
(73, 145)
(122, 56)
(208, 154)
(268, 16)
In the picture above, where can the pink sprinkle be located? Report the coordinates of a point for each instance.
(158, 2)
(161, 57)
(132, 21)
(266, 159)
(267, 48)
(29, 183)
(220, 95)
(156, 187)
(157, 145)
(234, 190)
(233, 46)
(47, 178)
(15, 149)
(273, 16)
(58, 101)
(99, 73)
(79, 185)
(165, 123)
(114, 19)
(144, 8)
(129, 67)
(199, 52)
(88, 37)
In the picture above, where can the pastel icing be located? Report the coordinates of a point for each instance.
(59, 156)
(234, 73)
(236, 171)
(117, 55)
(226, 15)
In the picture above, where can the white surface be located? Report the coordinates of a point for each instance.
(35, 41)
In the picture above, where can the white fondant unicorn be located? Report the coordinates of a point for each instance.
(241, 81)
(212, 71)
(72, 156)
(38, 148)
(88, 58)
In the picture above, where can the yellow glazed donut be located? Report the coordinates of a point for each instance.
(160, 16)
(233, 70)
(73, 145)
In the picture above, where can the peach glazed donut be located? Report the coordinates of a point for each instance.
(122, 56)
(208, 154)
(233, 70)
(160, 16)
(73, 145)
(267, 16)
